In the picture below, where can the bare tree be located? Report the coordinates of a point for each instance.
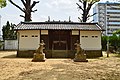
(27, 8)
(85, 6)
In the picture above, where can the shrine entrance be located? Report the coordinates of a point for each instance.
(59, 42)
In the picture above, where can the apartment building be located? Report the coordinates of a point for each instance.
(108, 16)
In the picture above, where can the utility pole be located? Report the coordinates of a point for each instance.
(108, 16)
(107, 30)
(0, 25)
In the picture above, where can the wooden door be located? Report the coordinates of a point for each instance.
(59, 39)
(59, 43)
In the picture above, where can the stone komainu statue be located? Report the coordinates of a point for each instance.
(41, 47)
(78, 48)
(39, 56)
(80, 55)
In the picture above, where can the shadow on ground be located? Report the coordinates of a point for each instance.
(10, 56)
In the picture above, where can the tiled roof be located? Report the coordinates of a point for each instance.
(57, 26)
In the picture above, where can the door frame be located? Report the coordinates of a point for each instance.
(63, 42)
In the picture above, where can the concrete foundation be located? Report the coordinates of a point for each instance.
(69, 54)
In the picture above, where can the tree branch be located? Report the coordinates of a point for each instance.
(91, 21)
(89, 7)
(34, 3)
(79, 6)
(91, 15)
(16, 5)
(22, 16)
(23, 2)
(80, 19)
(81, 1)
(94, 1)
(34, 10)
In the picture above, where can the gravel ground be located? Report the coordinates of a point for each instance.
(103, 68)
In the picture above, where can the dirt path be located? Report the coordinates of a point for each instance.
(8, 54)
(58, 69)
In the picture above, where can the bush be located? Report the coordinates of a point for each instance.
(104, 43)
(1, 44)
(114, 42)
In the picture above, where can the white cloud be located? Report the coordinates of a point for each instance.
(61, 3)
(40, 18)
(48, 5)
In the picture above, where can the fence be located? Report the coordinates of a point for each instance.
(10, 44)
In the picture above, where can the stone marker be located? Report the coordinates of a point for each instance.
(39, 56)
(80, 55)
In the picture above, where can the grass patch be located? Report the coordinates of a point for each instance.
(117, 55)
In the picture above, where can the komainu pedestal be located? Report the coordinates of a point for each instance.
(39, 56)
(80, 55)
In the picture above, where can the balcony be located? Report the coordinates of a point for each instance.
(113, 10)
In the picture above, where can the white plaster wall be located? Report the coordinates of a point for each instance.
(75, 32)
(88, 42)
(44, 32)
(31, 42)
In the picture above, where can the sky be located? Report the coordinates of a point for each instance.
(56, 9)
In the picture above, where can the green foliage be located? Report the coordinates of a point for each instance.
(8, 31)
(1, 44)
(114, 41)
(117, 32)
(2, 3)
(104, 42)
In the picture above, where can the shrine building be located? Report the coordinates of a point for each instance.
(59, 38)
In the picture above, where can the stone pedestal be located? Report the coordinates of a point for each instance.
(38, 57)
(80, 58)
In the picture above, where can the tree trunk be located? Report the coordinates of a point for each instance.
(28, 11)
(84, 17)
(84, 11)
(28, 16)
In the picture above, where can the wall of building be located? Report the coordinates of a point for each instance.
(28, 43)
(29, 39)
(11, 44)
(75, 32)
(44, 32)
(90, 40)
(108, 16)
(95, 10)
